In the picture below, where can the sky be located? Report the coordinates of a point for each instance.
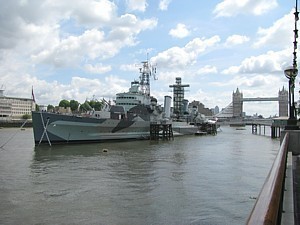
(85, 49)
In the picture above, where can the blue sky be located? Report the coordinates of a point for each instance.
(77, 49)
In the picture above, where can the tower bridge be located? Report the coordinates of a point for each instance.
(259, 99)
(235, 108)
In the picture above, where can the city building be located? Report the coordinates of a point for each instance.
(15, 108)
(201, 108)
(216, 110)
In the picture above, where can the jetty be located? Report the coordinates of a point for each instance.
(161, 131)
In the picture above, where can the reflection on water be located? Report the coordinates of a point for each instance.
(190, 180)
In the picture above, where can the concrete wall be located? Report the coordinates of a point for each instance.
(294, 141)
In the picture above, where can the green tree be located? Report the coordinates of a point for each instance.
(96, 105)
(92, 103)
(85, 107)
(74, 105)
(26, 116)
(64, 103)
(50, 108)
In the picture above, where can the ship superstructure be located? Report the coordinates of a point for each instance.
(139, 92)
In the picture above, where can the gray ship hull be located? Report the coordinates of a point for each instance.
(57, 128)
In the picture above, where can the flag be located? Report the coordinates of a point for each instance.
(32, 95)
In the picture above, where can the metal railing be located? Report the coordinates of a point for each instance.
(268, 207)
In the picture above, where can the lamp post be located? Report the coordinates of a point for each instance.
(291, 73)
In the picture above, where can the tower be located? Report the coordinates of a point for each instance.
(237, 101)
(178, 96)
(283, 100)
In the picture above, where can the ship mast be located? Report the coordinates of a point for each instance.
(145, 73)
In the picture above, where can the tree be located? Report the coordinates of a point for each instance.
(50, 108)
(26, 116)
(74, 105)
(91, 103)
(96, 105)
(85, 107)
(64, 103)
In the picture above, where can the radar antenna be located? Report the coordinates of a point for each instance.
(146, 71)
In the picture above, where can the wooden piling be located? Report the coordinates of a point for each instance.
(161, 131)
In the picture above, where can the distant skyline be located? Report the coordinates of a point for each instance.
(79, 49)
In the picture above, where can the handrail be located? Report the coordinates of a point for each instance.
(268, 203)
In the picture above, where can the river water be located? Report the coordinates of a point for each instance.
(189, 180)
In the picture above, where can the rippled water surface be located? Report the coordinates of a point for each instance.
(190, 180)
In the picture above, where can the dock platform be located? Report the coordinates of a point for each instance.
(161, 131)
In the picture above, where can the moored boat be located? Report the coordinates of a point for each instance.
(129, 118)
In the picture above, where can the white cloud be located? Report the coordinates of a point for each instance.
(17, 30)
(163, 4)
(208, 69)
(271, 62)
(34, 34)
(256, 81)
(236, 40)
(97, 68)
(228, 8)
(177, 57)
(93, 43)
(129, 67)
(169, 76)
(137, 5)
(92, 12)
(72, 49)
(280, 34)
(17, 18)
(37, 33)
(128, 25)
(180, 31)
(79, 88)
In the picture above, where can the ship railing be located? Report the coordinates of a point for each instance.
(268, 206)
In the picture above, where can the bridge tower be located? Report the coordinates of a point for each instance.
(283, 100)
(237, 101)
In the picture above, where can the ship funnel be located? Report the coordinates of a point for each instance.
(185, 105)
(167, 106)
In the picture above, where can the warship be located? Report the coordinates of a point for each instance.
(129, 118)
